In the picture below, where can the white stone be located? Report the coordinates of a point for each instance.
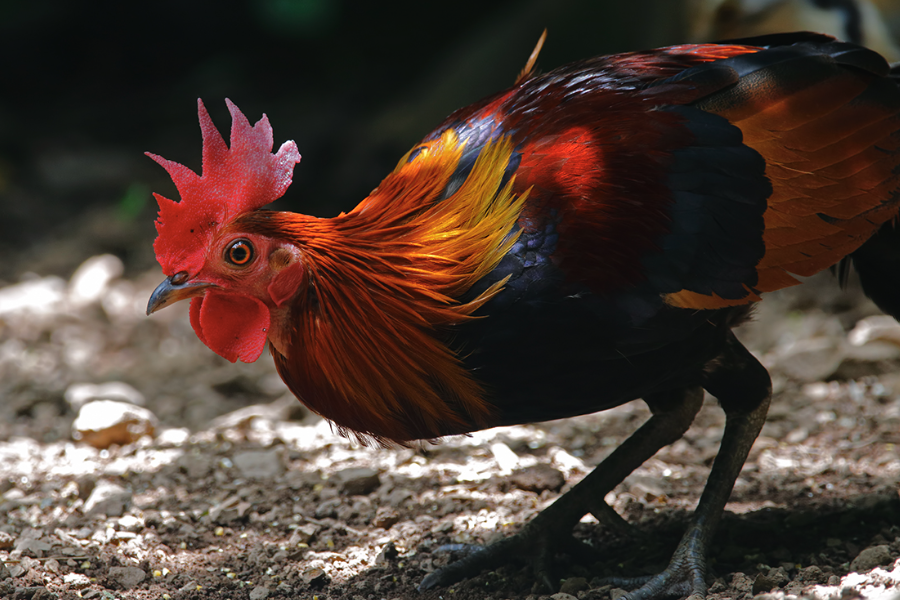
(90, 280)
(102, 423)
(108, 499)
(259, 464)
(39, 296)
(79, 394)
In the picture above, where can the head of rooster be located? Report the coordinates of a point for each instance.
(237, 281)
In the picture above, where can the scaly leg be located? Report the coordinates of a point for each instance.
(743, 387)
(673, 413)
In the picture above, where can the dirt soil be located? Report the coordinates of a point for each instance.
(239, 493)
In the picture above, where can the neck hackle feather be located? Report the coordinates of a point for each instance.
(370, 349)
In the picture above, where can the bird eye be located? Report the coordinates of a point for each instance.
(239, 253)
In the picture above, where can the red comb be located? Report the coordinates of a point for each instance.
(235, 180)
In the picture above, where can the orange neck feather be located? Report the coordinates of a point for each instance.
(367, 351)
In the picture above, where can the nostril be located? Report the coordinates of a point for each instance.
(178, 278)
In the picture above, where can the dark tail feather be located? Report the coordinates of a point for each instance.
(878, 264)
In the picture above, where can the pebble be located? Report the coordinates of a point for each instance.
(303, 534)
(259, 464)
(91, 279)
(314, 576)
(102, 423)
(564, 596)
(387, 554)
(6, 540)
(285, 590)
(36, 297)
(573, 585)
(538, 478)
(79, 394)
(4, 572)
(877, 327)
(812, 359)
(30, 546)
(131, 524)
(173, 437)
(812, 574)
(259, 593)
(357, 481)
(766, 582)
(506, 459)
(197, 466)
(327, 509)
(108, 499)
(17, 570)
(741, 582)
(76, 581)
(385, 517)
(871, 557)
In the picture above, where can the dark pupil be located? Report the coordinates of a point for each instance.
(240, 253)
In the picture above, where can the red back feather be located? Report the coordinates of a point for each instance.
(235, 180)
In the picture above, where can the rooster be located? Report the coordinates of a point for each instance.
(585, 238)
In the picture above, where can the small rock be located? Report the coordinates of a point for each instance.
(357, 482)
(259, 464)
(385, 517)
(563, 596)
(767, 582)
(387, 554)
(871, 557)
(6, 540)
(573, 585)
(34, 593)
(131, 524)
(285, 590)
(259, 593)
(506, 459)
(812, 574)
(4, 572)
(314, 576)
(102, 423)
(811, 359)
(91, 279)
(878, 327)
(197, 466)
(617, 593)
(327, 509)
(79, 394)
(397, 496)
(17, 570)
(29, 546)
(538, 478)
(35, 297)
(174, 437)
(108, 499)
(741, 582)
(76, 581)
(127, 577)
(303, 534)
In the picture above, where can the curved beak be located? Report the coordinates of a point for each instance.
(173, 289)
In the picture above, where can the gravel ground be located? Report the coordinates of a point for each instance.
(134, 463)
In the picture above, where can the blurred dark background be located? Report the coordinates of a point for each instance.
(88, 87)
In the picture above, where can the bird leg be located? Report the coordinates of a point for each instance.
(743, 387)
(537, 542)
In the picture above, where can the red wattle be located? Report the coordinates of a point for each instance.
(234, 327)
